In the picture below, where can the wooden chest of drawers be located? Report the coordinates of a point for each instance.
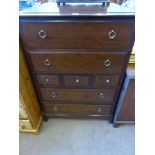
(78, 65)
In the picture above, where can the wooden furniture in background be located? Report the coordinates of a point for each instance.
(132, 56)
(125, 110)
(30, 115)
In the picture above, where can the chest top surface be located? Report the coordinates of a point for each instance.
(52, 9)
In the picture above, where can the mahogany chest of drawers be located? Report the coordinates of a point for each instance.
(78, 63)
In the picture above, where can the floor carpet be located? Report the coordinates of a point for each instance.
(79, 137)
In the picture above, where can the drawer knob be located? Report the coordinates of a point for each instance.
(112, 34)
(53, 94)
(107, 63)
(47, 62)
(107, 81)
(47, 80)
(99, 109)
(42, 34)
(77, 81)
(101, 95)
(55, 108)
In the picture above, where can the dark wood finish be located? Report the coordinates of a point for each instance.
(78, 109)
(78, 35)
(79, 116)
(125, 110)
(78, 46)
(103, 80)
(51, 80)
(83, 95)
(78, 62)
(76, 80)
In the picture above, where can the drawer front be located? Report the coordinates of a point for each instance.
(84, 95)
(81, 35)
(106, 80)
(76, 80)
(79, 109)
(78, 62)
(48, 80)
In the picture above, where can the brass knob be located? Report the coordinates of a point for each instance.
(53, 94)
(47, 80)
(77, 81)
(47, 62)
(42, 34)
(107, 81)
(101, 95)
(107, 63)
(112, 34)
(99, 109)
(55, 108)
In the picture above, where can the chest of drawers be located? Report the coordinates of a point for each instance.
(78, 63)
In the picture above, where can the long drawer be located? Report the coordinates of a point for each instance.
(80, 35)
(84, 95)
(78, 62)
(79, 109)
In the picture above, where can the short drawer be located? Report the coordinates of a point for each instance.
(84, 95)
(76, 80)
(48, 80)
(101, 80)
(79, 109)
(81, 35)
(78, 62)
